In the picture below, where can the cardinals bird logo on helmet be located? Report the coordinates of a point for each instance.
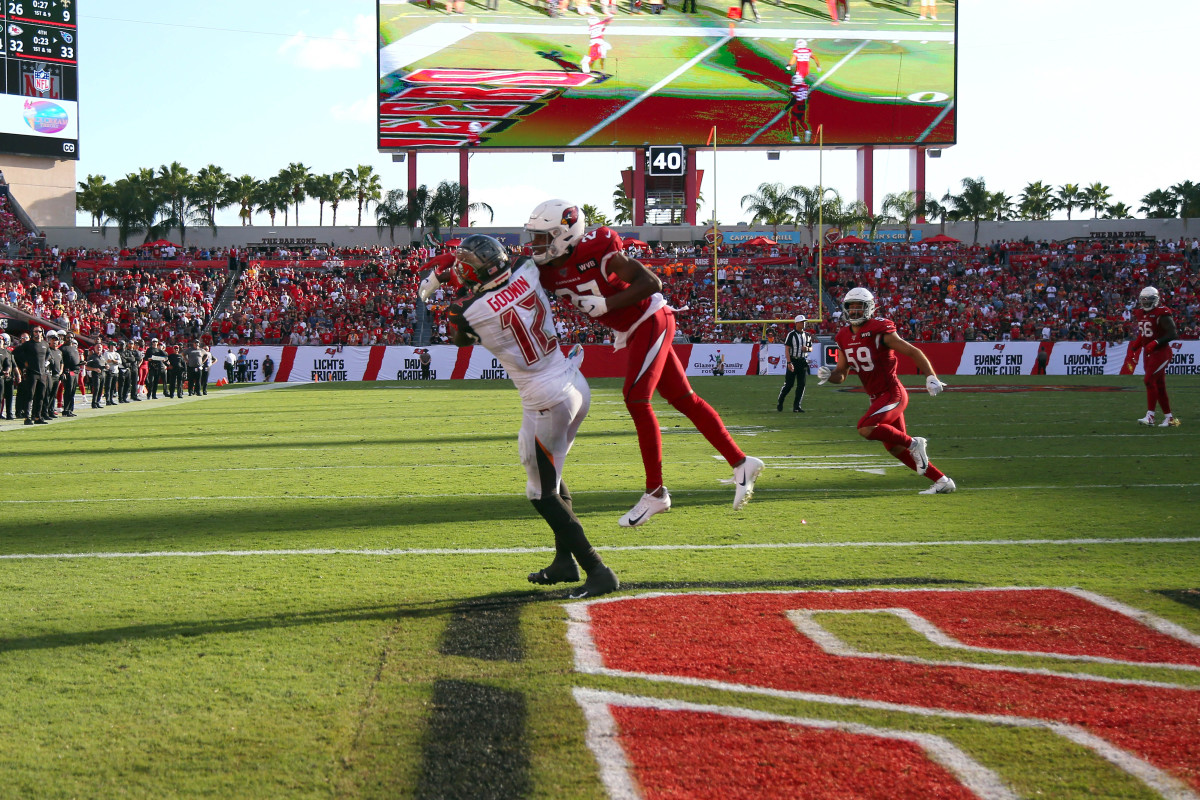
(554, 228)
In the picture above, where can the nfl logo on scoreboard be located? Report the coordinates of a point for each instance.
(40, 81)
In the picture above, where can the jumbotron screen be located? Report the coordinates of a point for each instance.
(539, 74)
(39, 108)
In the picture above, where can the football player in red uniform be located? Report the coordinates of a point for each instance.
(1155, 330)
(868, 345)
(593, 273)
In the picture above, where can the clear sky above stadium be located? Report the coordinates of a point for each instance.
(1063, 91)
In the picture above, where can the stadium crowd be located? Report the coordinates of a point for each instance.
(367, 295)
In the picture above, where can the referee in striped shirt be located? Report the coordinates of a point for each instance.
(798, 344)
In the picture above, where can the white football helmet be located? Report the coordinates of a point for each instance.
(801, 43)
(554, 228)
(1149, 298)
(855, 296)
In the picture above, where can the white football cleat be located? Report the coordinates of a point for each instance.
(1148, 419)
(943, 485)
(916, 449)
(744, 476)
(646, 508)
(1169, 421)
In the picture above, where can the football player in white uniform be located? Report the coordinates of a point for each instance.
(504, 307)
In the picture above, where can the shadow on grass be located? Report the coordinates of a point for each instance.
(486, 627)
(1187, 597)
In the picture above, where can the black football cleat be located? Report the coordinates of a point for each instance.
(601, 580)
(558, 572)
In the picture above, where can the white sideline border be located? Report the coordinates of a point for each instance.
(506, 551)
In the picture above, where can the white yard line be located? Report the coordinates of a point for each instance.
(685, 492)
(494, 551)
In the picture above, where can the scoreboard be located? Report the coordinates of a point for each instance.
(39, 109)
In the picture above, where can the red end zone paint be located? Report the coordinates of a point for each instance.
(681, 754)
(747, 639)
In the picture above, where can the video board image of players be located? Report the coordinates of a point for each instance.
(578, 74)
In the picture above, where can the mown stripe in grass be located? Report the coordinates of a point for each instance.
(475, 745)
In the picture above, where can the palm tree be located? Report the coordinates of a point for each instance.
(932, 209)
(773, 204)
(443, 208)
(592, 216)
(622, 206)
(391, 212)
(243, 192)
(1095, 197)
(811, 207)
(342, 190)
(902, 207)
(366, 185)
(210, 190)
(92, 197)
(175, 183)
(1187, 194)
(1160, 204)
(1036, 201)
(418, 209)
(843, 216)
(321, 188)
(272, 198)
(450, 204)
(1068, 197)
(973, 203)
(294, 178)
(1118, 211)
(137, 203)
(1001, 206)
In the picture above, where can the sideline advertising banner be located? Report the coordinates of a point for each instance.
(389, 363)
(998, 358)
(1087, 358)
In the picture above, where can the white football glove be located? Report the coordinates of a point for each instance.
(934, 386)
(590, 304)
(823, 374)
(429, 285)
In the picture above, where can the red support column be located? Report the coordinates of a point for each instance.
(691, 186)
(639, 187)
(866, 177)
(916, 177)
(464, 184)
(412, 175)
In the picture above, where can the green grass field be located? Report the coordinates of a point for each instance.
(190, 650)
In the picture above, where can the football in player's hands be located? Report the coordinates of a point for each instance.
(823, 374)
(934, 386)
